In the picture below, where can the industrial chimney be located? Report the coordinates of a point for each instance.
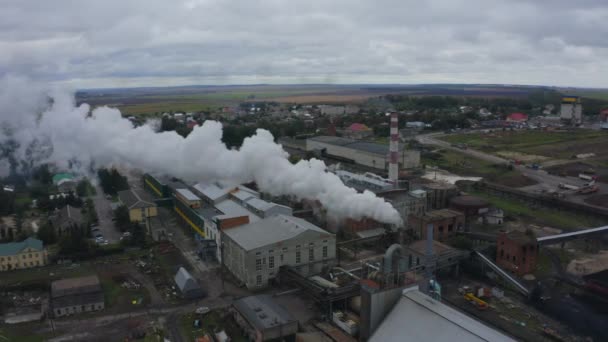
(393, 167)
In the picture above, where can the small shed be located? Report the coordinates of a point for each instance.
(187, 285)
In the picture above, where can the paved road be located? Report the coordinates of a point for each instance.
(104, 213)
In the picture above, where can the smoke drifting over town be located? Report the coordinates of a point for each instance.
(41, 125)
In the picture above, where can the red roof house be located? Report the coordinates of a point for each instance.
(517, 117)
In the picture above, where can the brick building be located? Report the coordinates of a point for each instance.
(516, 252)
(445, 223)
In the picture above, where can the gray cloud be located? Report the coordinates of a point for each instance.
(154, 42)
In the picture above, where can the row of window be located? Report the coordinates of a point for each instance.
(285, 249)
(16, 266)
(271, 264)
(24, 256)
(72, 309)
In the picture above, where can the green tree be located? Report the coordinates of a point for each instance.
(122, 219)
(46, 233)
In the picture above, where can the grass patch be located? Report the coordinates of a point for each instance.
(210, 323)
(465, 165)
(117, 296)
(549, 217)
(42, 275)
(22, 333)
(521, 141)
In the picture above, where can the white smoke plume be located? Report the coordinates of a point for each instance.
(65, 132)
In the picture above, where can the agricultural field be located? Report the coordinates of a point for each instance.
(465, 165)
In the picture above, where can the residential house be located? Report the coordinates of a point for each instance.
(25, 254)
(140, 205)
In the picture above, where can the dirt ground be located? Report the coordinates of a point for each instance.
(572, 169)
(524, 157)
(589, 264)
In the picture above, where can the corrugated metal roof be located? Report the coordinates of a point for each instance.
(211, 191)
(12, 248)
(262, 312)
(230, 208)
(132, 199)
(271, 230)
(371, 233)
(188, 195)
(184, 281)
(421, 318)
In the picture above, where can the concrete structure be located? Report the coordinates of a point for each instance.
(393, 167)
(228, 207)
(140, 206)
(516, 252)
(362, 153)
(187, 285)
(8, 228)
(263, 319)
(76, 295)
(418, 317)
(255, 252)
(66, 219)
(357, 131)
(444, 255)
(494, 216)
(438, 194)
(571, 110)
(25, 254)
(445, 223)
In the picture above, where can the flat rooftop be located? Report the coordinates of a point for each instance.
(262, 312)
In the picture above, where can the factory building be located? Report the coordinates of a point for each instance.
(228, 207)
(366, 181)
(473, 207)
(422, 318)
(371, 155)
(76, 295)
(516, 252)
(438, 194)
(445, 223)
(254, 252)
(406, 202)
(263, 319)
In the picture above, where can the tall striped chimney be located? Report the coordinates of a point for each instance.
(393, 167)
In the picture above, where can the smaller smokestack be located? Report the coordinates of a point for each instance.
(393, 167)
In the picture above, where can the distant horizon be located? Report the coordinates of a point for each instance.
(337, 85)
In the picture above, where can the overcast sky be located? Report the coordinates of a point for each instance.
(119, 43)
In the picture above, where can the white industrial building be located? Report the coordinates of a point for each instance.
(224, 207)
(255, 252)
(418, 317)
(361, 152)
(571, 110)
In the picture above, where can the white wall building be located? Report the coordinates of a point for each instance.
(225, 207)
(255, 252)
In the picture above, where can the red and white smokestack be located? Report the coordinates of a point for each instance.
(393, 167)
